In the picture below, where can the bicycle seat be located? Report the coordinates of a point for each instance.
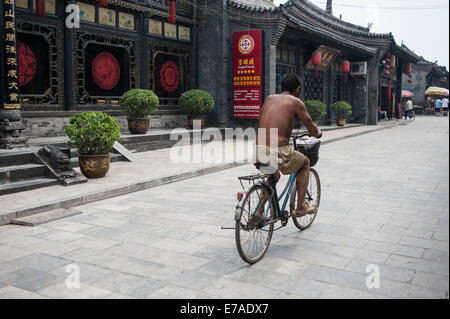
(265, 168)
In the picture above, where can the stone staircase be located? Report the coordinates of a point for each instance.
(21, 171)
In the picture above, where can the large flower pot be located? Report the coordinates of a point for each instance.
(139, 125)
(341, 122)
(191, 120)
(94, 166)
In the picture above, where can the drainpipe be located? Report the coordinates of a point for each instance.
(195, 40)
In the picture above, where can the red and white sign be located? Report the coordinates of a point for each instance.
(247, 74)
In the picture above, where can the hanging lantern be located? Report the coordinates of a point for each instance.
(40, 8)
(345, 68)
(172, 11)
(386, 72)
(103, 3)
(408, 68)
(393, 61)
(316, 59)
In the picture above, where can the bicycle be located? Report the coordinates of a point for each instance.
(262, 191)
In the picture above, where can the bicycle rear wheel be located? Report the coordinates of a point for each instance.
(313, 193)
(252, 241)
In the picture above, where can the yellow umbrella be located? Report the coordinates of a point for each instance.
(436, 91)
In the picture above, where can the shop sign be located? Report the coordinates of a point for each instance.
(247, 74)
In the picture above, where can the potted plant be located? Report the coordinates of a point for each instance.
(94, 134)
(342, 109)
(316, 109)
(139, 104)
(196, 103)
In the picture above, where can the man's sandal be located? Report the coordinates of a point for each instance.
(311, 210)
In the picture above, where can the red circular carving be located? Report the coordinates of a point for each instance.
(27, 63)
(105, 71)
(170, 76)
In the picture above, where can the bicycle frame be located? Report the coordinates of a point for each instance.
(286, 192)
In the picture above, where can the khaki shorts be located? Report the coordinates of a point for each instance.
(283, 158)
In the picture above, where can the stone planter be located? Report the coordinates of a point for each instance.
(191, 120)
(94, 166)
(341, 122)
(139, 125)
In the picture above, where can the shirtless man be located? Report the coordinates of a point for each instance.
(279, 112)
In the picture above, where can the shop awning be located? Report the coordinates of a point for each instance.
(436, 91)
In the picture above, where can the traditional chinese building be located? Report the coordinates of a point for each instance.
(151, 44)
(118, 46)
(425, 74)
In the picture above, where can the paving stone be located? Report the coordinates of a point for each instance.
(424, 265)
(61, 236)
(11, 292)
(28, 279)
(9, 253)
(136, 251)
(41, 262)
(425, 243)
(184, 278)
(132, 266)
(129, 285)
(232, 289)
(436, 255)
(45, 217)
(428, 280)
(61, 291)
(94, 243)
(386, 271)
(176, 292)
(89, 274)
(395, 249)
(89, 256)
(181, 260)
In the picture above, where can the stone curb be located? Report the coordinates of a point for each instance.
(78, 200)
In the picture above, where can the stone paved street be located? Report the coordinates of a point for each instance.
(385, 202)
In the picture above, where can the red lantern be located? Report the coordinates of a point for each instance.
(386, 72)
(345, 68)
(393, 61)
(103, 3)
(40, 8)
(172, 11)
(316, 59)
(408, 68)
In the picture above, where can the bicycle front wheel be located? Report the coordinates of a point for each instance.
(253, 235)
(313, 193)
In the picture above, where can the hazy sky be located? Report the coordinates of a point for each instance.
(422, 25)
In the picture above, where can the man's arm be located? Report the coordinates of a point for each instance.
(305, 118)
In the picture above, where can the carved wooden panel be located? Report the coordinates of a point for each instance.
(50, 32)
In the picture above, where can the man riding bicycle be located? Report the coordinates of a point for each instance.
(278, 115)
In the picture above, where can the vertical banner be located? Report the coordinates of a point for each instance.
(11, 76)
(247, 74)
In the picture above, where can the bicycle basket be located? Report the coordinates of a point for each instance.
(310, 148)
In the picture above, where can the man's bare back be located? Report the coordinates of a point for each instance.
(279, 112)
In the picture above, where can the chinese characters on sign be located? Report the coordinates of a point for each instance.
(247, 74)
(11, 99)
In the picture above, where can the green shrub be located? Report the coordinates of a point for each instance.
(196, 102)
(342, 109)
(93, 133)
(316, 109)
(139, 103)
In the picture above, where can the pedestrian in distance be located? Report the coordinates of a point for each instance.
(444, 106)
(408, 107)
(437, 107)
